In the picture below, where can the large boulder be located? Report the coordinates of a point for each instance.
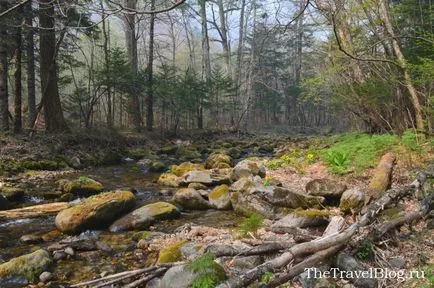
(302, 219)
(218, 160)
(169, 180)
(83, 186)
(325, 188)
(220, 197)
(191, 199)
(94, 212)
(352, 200)
(142, 218)
(348, 263)
(246, 168)
(180, 276)
(248, 204)
(28, 267)
(290, 198)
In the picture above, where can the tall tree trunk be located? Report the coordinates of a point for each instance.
(109, 119)
(384, 14)
(4, 100)
(150, 96)
(206, 61)
(54, 120)
(31, 79)
(238, 65)
(224, 36)
(131, 39)
(18, 125)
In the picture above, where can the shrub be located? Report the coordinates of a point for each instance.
(251, 224)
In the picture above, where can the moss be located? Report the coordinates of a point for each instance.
(157, 166)
(185, 167)
(169, 179)
(12, 193)
(169, 150)
(161, 208)
(95, 211)
(219, 192)
(141, 235)
(311, 213)
(42, 165)
(171, 253)
(83, 186)
(30, 266)
(218, 161)
(390, 213)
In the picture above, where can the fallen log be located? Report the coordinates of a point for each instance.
(220, 250)
(382, 178)
(34, 211)
(331, 240)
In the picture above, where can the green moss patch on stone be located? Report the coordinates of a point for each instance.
(171, 253)
(83, 186)
(219, 192)
(169, 179)
(29, 266)
(311, 213)
(185, 167)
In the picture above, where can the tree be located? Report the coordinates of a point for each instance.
(18, 74)
(30, 51)
(4, 97)
(150, 95)
(53, 114)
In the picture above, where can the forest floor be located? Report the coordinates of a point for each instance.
(136, 162)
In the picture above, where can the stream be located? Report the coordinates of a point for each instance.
(121, 254)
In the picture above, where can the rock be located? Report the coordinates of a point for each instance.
(181, 277)
(397, 262)
(46, 276)
(169, 150)
(348, 263)
(31, 239)
(248, 204)
(190, 251)
(157, 166)
(94, 212)
(59, 255)
(325, 188)
(4, 203)
(285, 197)
(242, 264)
(244, 184)
(197, 177)
(302, 219)
(382, 178)
(83, 187)
(143, 217)
(187, 153)
(169, 180)
(12, 194)
(352, 200)
(29, 266)
(191, 199)
(218, 160)
(171, 253)
(75, 162)
(154, 283)
(246, 168)
(185, 167)
(220, 197)
(69, 251)
(197, 186)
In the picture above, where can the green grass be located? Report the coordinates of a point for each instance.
(251, 224)
(209, 273)
(359, 152)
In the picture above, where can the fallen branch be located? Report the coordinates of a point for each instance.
(220, 250)
(144, 280)
(34, 211)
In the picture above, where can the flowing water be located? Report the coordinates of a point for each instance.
(123, 254)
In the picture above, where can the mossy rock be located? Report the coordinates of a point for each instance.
(171, 253)
(12, 194)
(218, 160)
(190, 199)
(311, 213)
(352, 200)
(187, 153)
(220, 197)
(185, 167)
(29, 266)
(43, 165)
(157, 166)
(143, 217)
(141, 235)
(169, 179)
(95, 212)
(83, 186)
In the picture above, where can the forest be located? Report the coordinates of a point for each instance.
(216, 143)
